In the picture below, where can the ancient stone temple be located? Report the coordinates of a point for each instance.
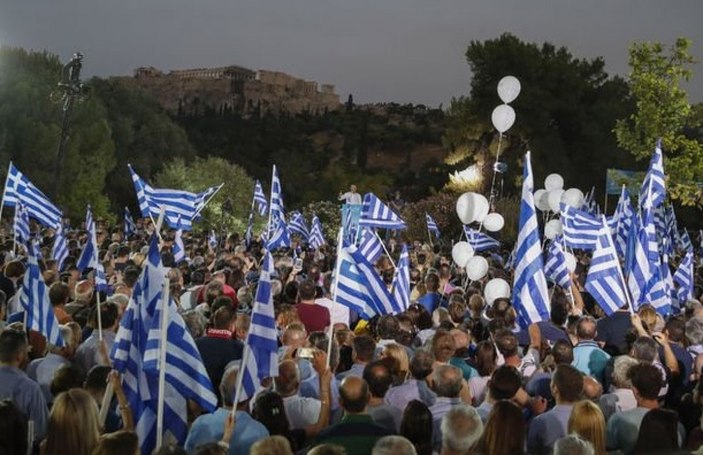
(197, 90)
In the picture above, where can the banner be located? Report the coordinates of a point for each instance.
(616, 178)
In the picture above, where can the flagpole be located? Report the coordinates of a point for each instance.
(240, 373)
(335, 284)
(195, 215)
(141, 185)
(268, 225)
(620, 275)
(162, 362)
(4, 188)
(384, 248)
(105, 405)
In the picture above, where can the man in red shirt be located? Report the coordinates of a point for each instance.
(315, 317)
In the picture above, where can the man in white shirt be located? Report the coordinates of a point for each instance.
(351, 196)
(301, 411)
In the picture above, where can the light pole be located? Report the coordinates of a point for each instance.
(71, 88)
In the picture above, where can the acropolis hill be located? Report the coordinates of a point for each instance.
(194, 91)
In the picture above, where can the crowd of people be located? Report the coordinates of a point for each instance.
(453, 374)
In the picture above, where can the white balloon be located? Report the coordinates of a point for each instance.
(543, 202)
(494, 222)
(573, 197)
(503, 117)
(462, 207)
(554, 199)
(481, 208)
(552, 229)
(570, 261)
(554, 182)
(495, 289)
(461, 253)
(477, 268)
(472, 207)
(508, 88)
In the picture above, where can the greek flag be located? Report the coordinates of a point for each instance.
(89, 218)
(60, 249)
(683, 277)
(280, 237)
(604, 281)
(133, 356)
(21, 224)
(530, 297)
(580, 229)
(260, 199)
(212, 240)
(370, 245)
(360, 287)
(480, 241)
(18, 189)
(129, 227)
(685, 243)
(653, 186)
(644, 278)
(277, 208)
(176, 203)
(262, 341)
(431, 225)
(667, 280)
(178, 249)
(89, 255)
(297, 225)
(621, 222)
(555, 267)
(34, 297)
(401, 280)
(317, 237)
(376, 214)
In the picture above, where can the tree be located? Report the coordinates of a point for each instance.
(663, 111)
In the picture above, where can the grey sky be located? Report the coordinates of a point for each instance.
(379, 50)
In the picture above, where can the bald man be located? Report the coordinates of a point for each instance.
(356, 432)
(301, 411)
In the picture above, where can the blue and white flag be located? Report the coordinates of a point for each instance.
(130, 228)
(178, 249)
(260, 199)
(685, 243)
(280, 237)
(277, 207)
(683, 277)
(604, 281)
(60, 249)
(621, 222)
(480, 241)
(34, 297)
(555, 267)
(18, 189)
(530, 297)
(212, 240)
(297, 225)
(579, 228)
(644, 277)
(175, 203)
(317, 236)
(262, 341)
(376, 214)
(370, 245)
(89, 254)
(89, 222)
(653, 190)
(133, 355)
(21, 224)
(401, 281)
(431, 225)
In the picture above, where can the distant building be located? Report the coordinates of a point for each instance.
(194, 91)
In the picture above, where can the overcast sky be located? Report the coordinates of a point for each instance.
(378, 50)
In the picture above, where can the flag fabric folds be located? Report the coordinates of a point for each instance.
(370, 245)
(89, 254)
(130, 228)
(178, 249)
(317, 236)
(18, 189)
(653, 186)
(621, 222)
(431, 225)
(261, 342)
(280, 237)
(580, 229)
(401, 280)
(555, 267)
(134, 340)
(21, 224)
(376, 214)
(604, 281)
(684, 278)
(260, 199)
(34, 297)
(684, 241)
(530, 298)
(60, 249)
(297, 225)
(480, 241)
(176, 203)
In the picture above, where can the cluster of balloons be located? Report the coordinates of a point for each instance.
(503, 116)
(550, 198)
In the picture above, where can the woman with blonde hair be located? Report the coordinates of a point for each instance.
(401, 363)
(73, 424)
(273, 445)
(587, 421)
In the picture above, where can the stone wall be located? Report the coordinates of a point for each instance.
(193, 91)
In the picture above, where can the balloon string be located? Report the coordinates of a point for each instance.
(493, 181)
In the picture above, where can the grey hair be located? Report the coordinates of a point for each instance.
(645, 349)
(67, 335)
(573, 444)
(391, 445)
(694, 331)
(461, 428)
(621, 367)
(447, 381)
